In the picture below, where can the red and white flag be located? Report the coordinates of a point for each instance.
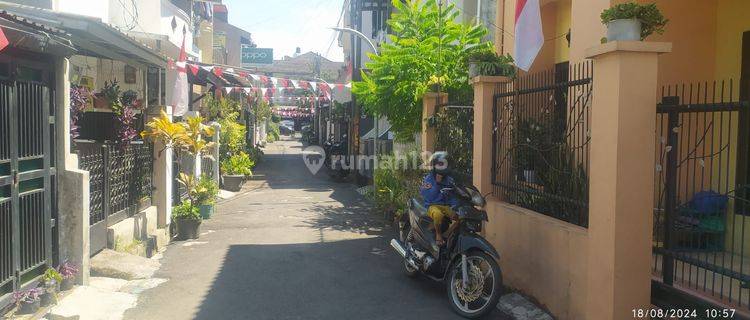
(180, 93)
(529, 37)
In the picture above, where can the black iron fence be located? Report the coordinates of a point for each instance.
(120, 178)
(701, 226)
(541, 142)
(454, 133)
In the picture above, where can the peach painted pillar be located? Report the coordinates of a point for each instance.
(623, 121)
(485, 88)
(429, 103)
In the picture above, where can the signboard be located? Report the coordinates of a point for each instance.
(257, 55)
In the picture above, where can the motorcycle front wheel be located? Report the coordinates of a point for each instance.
(481, 292)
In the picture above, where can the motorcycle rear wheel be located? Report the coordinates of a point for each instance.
(410, 271)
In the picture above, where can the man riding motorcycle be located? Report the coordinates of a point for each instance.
(438, 201)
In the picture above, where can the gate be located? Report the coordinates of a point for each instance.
(454, 133)
(701, 245)
(119, 184)
(27, 177)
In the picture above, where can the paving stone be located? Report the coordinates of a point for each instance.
(517, 307)
(112, 264)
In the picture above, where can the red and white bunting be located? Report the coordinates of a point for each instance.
(193, 69)
(3, 40)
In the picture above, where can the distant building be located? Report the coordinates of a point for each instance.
(228, 40)
(305, 66)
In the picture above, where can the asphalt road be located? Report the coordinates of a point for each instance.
(295, 246)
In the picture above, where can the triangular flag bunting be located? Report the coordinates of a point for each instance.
(3, 40)
(218, 71)
(193, 69)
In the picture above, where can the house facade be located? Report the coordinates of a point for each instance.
(689, 242)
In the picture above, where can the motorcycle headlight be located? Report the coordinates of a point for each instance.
(476, 197)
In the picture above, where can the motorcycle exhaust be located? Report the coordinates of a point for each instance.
(398, 247)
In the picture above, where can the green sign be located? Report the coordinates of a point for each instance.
(257, 55)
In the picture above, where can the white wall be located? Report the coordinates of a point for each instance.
(170, 11)
(92, 8)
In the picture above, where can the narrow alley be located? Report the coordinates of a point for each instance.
(294, 246)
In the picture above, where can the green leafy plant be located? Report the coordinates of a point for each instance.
(51, 277)
(186, 211)
(222, 108)
(396, 180)
(491, 64)
(652, 20)
(275, 118)
(232, 137)
(425, 41)
(238, 164)
(206, 191)
(273, 132)
(111, 93)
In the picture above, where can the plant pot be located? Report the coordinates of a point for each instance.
(529, 176)
(101, 102)
(473, 69)
(47, 299)
(29, 308)
(67, 284)
(207, 210)
(233, 182)
(188, 229)
(624, 30)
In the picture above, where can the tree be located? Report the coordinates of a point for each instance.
(426, 43)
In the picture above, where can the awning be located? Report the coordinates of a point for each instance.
(92, 37)
(36, 37)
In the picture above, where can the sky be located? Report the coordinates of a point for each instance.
(286, 24)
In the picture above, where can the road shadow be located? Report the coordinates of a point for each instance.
(351, 279)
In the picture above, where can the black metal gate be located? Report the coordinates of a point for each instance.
(454, 133)
(27, 175)
(120, 185)
(701, 253)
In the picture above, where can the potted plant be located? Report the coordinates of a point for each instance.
(205, 195)
(68, 271)
(487, 63)
(51, 285)
(234, 170)
(27, 301)
(109, 96)
(187, 219)
(632, 21)
(129, 98)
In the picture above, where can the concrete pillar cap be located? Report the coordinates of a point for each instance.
(490, 79)
(628, 46)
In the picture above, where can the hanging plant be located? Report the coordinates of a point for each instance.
(79, 96)
(126, 132)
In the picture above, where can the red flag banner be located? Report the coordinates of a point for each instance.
(3, 40)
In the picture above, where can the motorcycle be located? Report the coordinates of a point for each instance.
(467, 262)
(336, 159)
